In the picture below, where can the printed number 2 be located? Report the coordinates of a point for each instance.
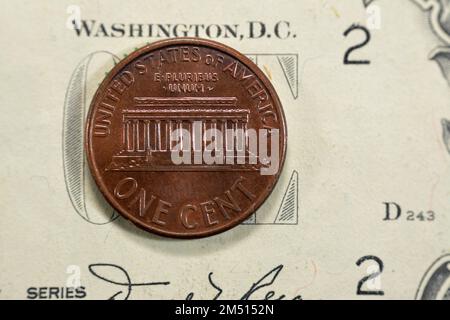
(371, 277)
(366, 40)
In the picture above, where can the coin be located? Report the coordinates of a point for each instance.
(186, 137)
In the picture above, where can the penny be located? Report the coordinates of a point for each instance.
(186, 137)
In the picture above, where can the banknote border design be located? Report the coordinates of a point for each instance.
(433, 279)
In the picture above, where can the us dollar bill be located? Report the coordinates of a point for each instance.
(362, 207)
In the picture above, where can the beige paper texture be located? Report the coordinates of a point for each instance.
(360, 135)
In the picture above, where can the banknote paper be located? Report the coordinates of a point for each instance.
(362, 207)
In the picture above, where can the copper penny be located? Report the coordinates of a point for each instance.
(186, 137)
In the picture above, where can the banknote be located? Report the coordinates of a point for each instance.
(361, 209)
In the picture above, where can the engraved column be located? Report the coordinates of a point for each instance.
(125, 135)
(140, 136)
(191, 122)
(147, 135)
(214, 128)
(239, 141)
(135, 135)
(224, 134)
(236, 137)
(129, 135)
(163, 135)
(204, 128)
(169, 135)
(158, 135)
(244, 124)
(180, 132)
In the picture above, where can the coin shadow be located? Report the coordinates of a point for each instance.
(186, 247)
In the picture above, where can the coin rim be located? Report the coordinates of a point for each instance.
(95, 172)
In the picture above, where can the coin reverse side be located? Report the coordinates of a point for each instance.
(175, 137)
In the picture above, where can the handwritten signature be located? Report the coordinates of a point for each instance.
(125, 285)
